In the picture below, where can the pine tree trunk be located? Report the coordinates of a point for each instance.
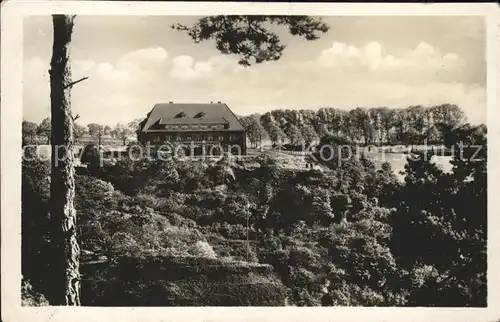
(66, 251)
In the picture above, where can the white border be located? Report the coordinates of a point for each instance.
(11, 116)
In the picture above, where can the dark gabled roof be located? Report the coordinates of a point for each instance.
(193, 113)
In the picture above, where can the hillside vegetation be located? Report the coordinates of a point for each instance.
(218, 233)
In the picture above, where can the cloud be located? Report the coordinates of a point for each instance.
(133, 67)
(343, 76)
(187, 68)
(113, 92)
(309, 85)
(146, 58)
(423, 60)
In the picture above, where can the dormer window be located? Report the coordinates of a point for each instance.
(180, 115)
(200, 115)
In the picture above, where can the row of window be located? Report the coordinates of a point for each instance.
(195, 127)
(193, 138)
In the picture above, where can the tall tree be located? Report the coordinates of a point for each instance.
(254, 129)
(293, 133)
(360, 122)
(401, 125)
(387, 120)
(272, 128)
(66, 250)
(45, 128)
(107, 130)
(96, 131)
(376, 118)
(448, 114)
(79, 131)
(417, 122)
(447, 117)
(308, 133)
(134, 125)
(322, 119)
(121, 132)
(29, 131)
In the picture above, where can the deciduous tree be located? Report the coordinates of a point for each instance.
(29, 131)
(96, 131)
(122, 132)
(79, 131)
(254, 129)
(45, 128)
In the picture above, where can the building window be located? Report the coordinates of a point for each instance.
(184, 127)
(221, 138)
(188, 138)
(177, 138)
(167, 137)
(210, 138)
(232, 137)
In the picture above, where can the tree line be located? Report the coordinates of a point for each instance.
(33, 132)
(378, 125)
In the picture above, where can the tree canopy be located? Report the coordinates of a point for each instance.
(252, 37)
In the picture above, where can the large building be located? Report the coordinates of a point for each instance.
(208, 127)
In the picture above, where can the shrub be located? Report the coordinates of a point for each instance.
(91, 155)
(203, 249)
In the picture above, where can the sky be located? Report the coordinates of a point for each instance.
(134, 62)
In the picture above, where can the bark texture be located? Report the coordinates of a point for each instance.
(66, 251)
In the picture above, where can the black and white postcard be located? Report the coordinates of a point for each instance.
(181, 161)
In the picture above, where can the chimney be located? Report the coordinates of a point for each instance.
(211, 102)
(218, 102)
(170, 102)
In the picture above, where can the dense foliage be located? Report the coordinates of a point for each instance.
(93, 133)
(351, 234)
(250, 37)
(379, 125)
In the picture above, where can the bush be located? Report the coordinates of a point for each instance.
(91, 155)
(203, 249)
(184, 281)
